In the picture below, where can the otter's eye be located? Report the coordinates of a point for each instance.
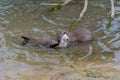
(64, 40)
(58, 40)
(67, 40)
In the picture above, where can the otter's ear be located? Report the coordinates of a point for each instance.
(64, 33)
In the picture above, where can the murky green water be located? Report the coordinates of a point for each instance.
(27, 17)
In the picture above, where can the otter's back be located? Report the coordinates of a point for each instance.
(81, 35)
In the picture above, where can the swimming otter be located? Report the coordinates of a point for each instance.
(64, 39)
(39, 41)
(79, 35)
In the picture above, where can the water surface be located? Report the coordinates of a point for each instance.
(21, 17)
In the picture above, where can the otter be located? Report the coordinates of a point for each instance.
(78, 35)
(63, 38)
(47, 41)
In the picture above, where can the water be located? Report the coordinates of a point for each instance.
(21, 17)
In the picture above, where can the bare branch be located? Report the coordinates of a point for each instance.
(112, 9)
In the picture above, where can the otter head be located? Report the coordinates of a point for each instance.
(64, 41)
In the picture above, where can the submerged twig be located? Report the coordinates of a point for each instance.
(63, 3)
(49, 4)
(81, 14)
(56, 6)
(112, 16)
(112, 9)
(89, 53)
(83, 11)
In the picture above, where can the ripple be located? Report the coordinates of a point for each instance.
(117, 56)
(116, 44)
(4, 21)
(104, 47)
(37, 30)
(116, 36)
(1, 35)
(48, 20)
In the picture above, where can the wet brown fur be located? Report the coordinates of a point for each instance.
(39, 41)
(78, 35)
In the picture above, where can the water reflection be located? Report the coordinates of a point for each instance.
(88, 54)
(116, 58)
(104, 47)
(48, 20)
(116, 36)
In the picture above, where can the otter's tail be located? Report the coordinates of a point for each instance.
(26, 39)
